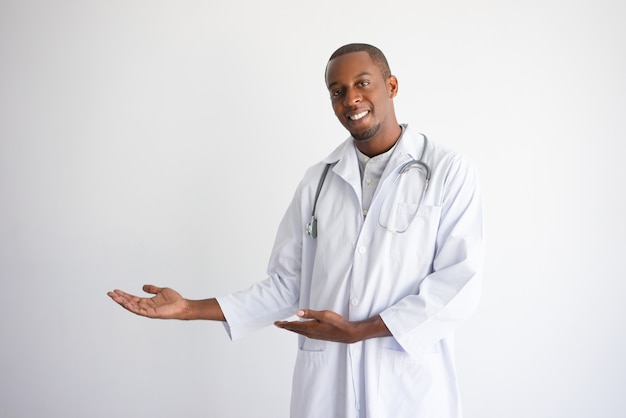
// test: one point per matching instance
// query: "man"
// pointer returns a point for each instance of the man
(379, 257)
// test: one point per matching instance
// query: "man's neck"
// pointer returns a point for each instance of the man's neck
(382, 142)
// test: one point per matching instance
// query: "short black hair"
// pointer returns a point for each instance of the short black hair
(375, 54)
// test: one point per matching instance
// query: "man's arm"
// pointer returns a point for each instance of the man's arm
(168, 304)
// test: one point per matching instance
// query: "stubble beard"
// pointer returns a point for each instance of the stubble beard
(368, 134)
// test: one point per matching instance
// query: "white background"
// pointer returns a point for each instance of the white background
(156, 141)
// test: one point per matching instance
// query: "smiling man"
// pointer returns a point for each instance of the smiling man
(392, 268)
(361, 88)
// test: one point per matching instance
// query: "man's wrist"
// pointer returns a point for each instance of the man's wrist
(373, 327)
(208, 309)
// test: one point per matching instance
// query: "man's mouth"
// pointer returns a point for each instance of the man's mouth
(358, 115)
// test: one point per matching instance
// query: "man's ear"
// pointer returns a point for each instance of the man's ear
(392, 86)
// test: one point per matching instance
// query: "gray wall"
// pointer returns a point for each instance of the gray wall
(160, 142)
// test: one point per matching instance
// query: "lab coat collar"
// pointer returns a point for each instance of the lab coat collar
(346, 165)
(409, 147)
(345, 162)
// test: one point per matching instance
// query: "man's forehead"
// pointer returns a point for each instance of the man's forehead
(352, 64)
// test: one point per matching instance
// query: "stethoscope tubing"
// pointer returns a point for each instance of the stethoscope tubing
(311, 226)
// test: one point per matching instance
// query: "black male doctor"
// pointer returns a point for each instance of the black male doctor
(391, 269)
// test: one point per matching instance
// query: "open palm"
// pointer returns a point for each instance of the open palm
(166, 303)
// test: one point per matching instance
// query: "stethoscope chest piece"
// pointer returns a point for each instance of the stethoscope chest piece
(311, 227)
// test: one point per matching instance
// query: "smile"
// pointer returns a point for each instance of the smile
(358, 115)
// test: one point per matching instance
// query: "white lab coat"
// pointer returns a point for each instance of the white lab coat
(423, 283)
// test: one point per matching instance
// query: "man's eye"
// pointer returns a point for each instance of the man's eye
(337, 92)
(364, 83)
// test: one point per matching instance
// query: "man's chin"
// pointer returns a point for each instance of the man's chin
(366, 134)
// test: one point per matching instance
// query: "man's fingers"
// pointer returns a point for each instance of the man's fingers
(118, 296)
(133, 303)
(148, 288)
(307, 313)
(294, 326)
(121, 296)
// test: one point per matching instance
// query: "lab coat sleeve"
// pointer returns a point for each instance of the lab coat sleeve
(277, 296)
(450, 294)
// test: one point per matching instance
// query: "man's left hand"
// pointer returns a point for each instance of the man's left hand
(330, 326)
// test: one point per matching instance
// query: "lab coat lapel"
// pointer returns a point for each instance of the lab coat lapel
(347, 166)
(409, 147)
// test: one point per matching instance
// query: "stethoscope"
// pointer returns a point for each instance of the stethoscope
(311, 227)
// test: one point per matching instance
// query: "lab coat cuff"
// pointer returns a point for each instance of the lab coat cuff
(232, 326)
(239, 323)
(404, 338)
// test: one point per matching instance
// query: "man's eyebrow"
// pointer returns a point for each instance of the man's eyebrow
(365, 73)
(362, 74)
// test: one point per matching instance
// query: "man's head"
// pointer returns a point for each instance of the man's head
(362, 89)
(375, 54)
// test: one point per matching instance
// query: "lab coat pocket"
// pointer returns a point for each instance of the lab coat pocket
(311, 354)
(405, 385)
(311, 360)
(313, 383)
(397, 216)
(418, 242)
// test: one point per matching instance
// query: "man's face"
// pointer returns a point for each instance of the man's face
(360, 96)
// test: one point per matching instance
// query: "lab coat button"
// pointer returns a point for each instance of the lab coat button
(354, 301)
(362, 250)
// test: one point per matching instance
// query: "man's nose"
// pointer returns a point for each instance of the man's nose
(352, 97)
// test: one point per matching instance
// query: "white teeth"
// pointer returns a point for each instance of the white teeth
(358, 116)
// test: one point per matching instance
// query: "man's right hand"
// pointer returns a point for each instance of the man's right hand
(166, 303)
